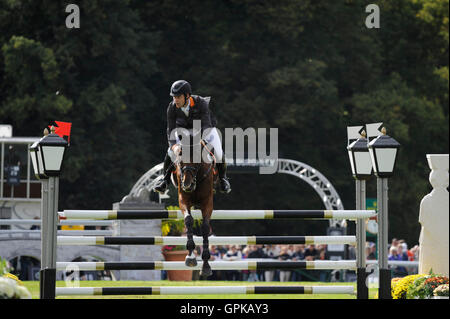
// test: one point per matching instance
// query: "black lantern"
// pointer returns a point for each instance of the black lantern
(359, 156)
(47, 154)
(36, 160)
(383, 153)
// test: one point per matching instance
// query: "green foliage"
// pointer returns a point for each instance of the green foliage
(415, 288)
(172, 227)
(423, 287)
(4, 269)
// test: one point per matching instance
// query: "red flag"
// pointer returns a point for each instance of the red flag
(63, 129)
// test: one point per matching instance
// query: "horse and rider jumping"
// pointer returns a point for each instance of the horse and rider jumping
(195, 180)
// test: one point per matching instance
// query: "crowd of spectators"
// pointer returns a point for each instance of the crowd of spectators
(277, 252)
(398, 250)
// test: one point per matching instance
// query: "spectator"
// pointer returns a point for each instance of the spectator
(215, 255)
(245, 251)
(311, 253)
(323, 255)
(256, 251)
(291, 250)
(245, 273)
(413, 253)
(370, 251)
(299, 252)
(285, 275)
(296, 275)
(402, 255)
(393, 255)
(270, 252)
(231, 255)
(214, 252)
(222, 250)
(394, 243)
(399, 271)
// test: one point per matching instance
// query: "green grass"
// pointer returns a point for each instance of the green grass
(33, 287)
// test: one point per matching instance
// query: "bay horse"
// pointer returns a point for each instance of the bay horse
(195, 183)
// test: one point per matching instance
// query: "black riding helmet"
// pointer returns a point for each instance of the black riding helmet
(180, 87)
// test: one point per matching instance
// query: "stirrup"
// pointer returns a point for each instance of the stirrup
(225, 186)
(161, 187)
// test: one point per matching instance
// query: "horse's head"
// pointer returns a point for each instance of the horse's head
(190, 159)
(188, 176)
(188, 167)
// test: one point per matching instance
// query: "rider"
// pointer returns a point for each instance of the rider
(181, 112)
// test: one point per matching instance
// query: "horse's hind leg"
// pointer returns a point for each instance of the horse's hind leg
(190, 260)
(206, 269)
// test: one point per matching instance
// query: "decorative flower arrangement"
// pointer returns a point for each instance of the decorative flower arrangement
(419, 286)
(172, 227)
(441, 290)
(424, 288)
(430, 284)
(175, 227)
(415, 288)
(10, 286)
(400, 286)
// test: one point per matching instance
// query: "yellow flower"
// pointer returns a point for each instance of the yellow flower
(400, 287)
(8, 275)
(165, 228)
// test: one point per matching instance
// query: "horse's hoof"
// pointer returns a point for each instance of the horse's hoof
(206, 272)
(190, 262)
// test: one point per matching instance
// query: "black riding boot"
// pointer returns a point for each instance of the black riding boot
(225, 186)
(162, 185)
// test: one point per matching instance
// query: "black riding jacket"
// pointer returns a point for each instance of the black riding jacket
(199, 110)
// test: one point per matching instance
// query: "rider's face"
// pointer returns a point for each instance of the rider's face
(179, 100)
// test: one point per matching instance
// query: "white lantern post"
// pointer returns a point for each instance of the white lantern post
(361, 167)
(383, 153)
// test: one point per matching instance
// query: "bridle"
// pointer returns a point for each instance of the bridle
(194, 170)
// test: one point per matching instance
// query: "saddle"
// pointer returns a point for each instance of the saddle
(215, 171)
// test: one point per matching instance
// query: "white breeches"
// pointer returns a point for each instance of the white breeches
(212, 138)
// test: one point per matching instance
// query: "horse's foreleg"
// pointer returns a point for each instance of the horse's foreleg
(190, 261)
(206, 269)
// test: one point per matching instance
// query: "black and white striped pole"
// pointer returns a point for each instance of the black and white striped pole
(383, 154)
(47, 156)
(361, 166)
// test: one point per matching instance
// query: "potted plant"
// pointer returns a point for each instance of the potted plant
(423, 287)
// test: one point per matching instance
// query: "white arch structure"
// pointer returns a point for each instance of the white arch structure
(323, 187)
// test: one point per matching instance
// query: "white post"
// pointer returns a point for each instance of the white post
(362, 288)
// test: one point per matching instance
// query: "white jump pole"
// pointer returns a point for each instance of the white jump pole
(215, 265)
(204, 290)
(213, 240)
